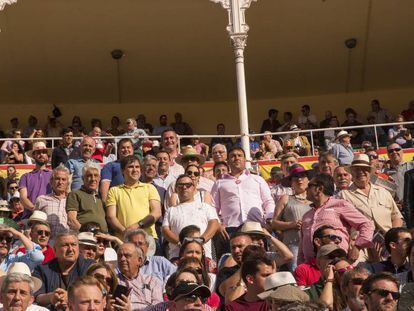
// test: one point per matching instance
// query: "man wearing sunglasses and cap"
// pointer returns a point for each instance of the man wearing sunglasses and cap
(189, 296)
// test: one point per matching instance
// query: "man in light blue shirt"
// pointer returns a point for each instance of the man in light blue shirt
(343, 150)
(33, 256)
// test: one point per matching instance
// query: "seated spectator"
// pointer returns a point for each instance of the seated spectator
(146, 290)
(273, 145)
(283, 188)
(343, 150)
(342, 178)
(397, 132)
(226, 141)
(182, 128)
(381, 115)
(32, 125)
(54, 203)
(327, 210)
(36, 133)
(220, 169)
(329, 136)
(219, 153)
(87, 245)
(40, 235)
(351, 286)
(408, 114)
(376, 163)
(158, 266)
(76, 126)
(271, 124)
(327, 163)
(375, 202)
(397, 241)
(189, 261)
(18, 212)
(6, 146)
(12, 173)
(351, 120)
(158, 130)
(370, 134)
(307, 120)
(102, 148)
(189, 296)
(115, 129)
(300, 142)
(15, 155)
(133, 205)
(276, 176)
(254, 146)
(189, 212)
(85, 205)
(54, 127)
(66, 150)
(86, 292)
(381, 291)
(33, 256)
(142, 124)
(326, 122)
(287, 123)
(60, 272)
(407, 277)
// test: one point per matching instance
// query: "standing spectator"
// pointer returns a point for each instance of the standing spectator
(241, 196)
(14, 122)
(351, 120)
(397, 132)
(32, 124)
(164, 177)
(189, 212)
(307, 120)
(75, 166)
(375, 202)
(381, 292)
(327, 121)
(111, 174)
(300, 142)
(142, 124)
(381, 115)
(287, 122)
(220, 169)
(59, 273)
(66, 150)
(351, 283)
(169, 143)
(133, 205)
(343, 150)
(163, 126)
(408, 114)
(54, 127)
(326, 210)
(182, 128)
(137, 133)
(226, 141)
(54, 204)
(115, 129)
(146, 290)
(85, 205)
(272, 123)
(36, 183)
(76, 126)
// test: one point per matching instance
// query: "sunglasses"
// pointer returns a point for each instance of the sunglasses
(394, 150)
(6, 238)
(43, 232)
(343, 270)
(40, 152)
(184, 185)
(384, 293)
(333, 237)
(196, 174)
(373, 156)
(357, 281)
(14, 188)
(98, 276)
(193, 299)
(198, 240)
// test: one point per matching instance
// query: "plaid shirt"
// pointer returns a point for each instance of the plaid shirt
(55, 209)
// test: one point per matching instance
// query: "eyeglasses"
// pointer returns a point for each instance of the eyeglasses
(333, 237)
(184, 185)
(373, 156)
(193, 299)
(14, 188)
(392, 150)
(43, 232)
(357, 281)
(190, 173)
(40, 152)
(198, 240)
(6, 238)
(343, 270)
(384, 293)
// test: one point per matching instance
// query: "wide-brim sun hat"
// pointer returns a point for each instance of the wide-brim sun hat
(21, 268)
(276, 280)
(361, 161)
(252, 227)
(190, 152)
(341, 134)
(38, 146)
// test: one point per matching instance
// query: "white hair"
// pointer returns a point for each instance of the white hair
(17, 277)
(219, 145)
(90, 165)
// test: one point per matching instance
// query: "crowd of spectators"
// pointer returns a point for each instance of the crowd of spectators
(155, 229)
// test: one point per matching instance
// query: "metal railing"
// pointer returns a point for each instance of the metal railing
(310, 131)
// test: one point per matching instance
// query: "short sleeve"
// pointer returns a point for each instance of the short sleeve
(106, 173)
(211, 212)
(153, 193)
(23, 182)
(72, 203)
(111, 199)
(166, 220)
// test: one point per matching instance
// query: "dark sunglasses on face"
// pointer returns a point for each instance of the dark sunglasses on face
(384, 293)
(184, 185)
(6, 238)
(394, 150)
(193, 298)
(333, 237)
(357, 281)
(196, 174)
(373, 156)
(14, 188)
(43, 232)
(343, 270)
(198, 240)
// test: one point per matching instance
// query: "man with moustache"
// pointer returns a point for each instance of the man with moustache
(342, 178)
(75, 166)
(36, 183)
(60, 272)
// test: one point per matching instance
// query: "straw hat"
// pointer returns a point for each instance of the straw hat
(294, 127)
(332, 250)
(252, 227)
(22, 268)
(342, 134)
(87, 238)
(190, 152)
(276, 280)
(289, 293)
(362, 160)
(38, 216)
(39, 145)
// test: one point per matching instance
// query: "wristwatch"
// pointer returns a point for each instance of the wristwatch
(141, 224)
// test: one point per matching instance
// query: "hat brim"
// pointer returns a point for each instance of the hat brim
(180, 158)
(87, 243)
(202, 290)
(369, 167)
(255, 232)
(343, 135)
(37, 282)
(339, 252)
(267, 293)
(30, 152)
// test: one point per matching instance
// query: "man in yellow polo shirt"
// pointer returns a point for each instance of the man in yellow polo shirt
(133, 205)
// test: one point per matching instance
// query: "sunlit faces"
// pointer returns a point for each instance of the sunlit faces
(185, 189)
(169, 141)
(384, 295)
(60, 181)
(125, 149)
(286, 163)
(360, 175)
(300, 182)
(17, 296)
(40, 234)
(91, 179)
(237, 160)
(87, 298)
(150, 168)
(67, 248)
(327, 165)
(220, 170)
(193, 249)
(163, 160)
(88, 147)
(237, 246)
(132, 171)
(342, 178)
(395, 153)
(219, 153)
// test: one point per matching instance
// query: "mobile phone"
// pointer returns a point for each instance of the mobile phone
(121, 290)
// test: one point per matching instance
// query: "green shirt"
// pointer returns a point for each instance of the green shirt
(89, 207)
(315, 290)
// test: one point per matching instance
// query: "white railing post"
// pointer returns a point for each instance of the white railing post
(312, 144)
(376, 137)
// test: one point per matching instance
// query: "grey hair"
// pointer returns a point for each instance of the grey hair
(348, 275)
(90, 165)
(17, 277)
(62, 168)
(139, 251)
(219, 145)
(130, 233)
(66, 232)
(150, 157)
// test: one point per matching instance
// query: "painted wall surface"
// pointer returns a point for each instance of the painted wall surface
(203, 117)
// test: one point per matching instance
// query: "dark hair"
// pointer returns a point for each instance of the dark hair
(169, 129)
(103, 265)
(304, 306)
(12, 181)
(67, 130)
(318, 234)
(307, 107)
(123, 141)
(250, 266)
(187, 231)
(180, 177)
(349, 111)
(163, 116)
(348, 275)
(87, 226)
(204, 273)
(288, 113)
(369, 282)
(192, 165)
(272, 111)
(220, 124)
(220, 163)
(237, 148)
(392, 236)
(128, 160)
(326, 181)
(325, 155)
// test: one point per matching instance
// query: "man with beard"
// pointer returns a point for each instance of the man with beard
(75, 166)
(351, 286)
(381, 292)
(342, 178)
(60, 272)
(36, 182)
(111, 174)
(66, 150)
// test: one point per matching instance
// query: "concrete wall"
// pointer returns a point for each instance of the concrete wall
(203, 117)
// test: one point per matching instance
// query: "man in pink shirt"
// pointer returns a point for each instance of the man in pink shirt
(241, 196)
(339, 214)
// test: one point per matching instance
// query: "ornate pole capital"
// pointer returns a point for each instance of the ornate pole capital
(4, 2)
